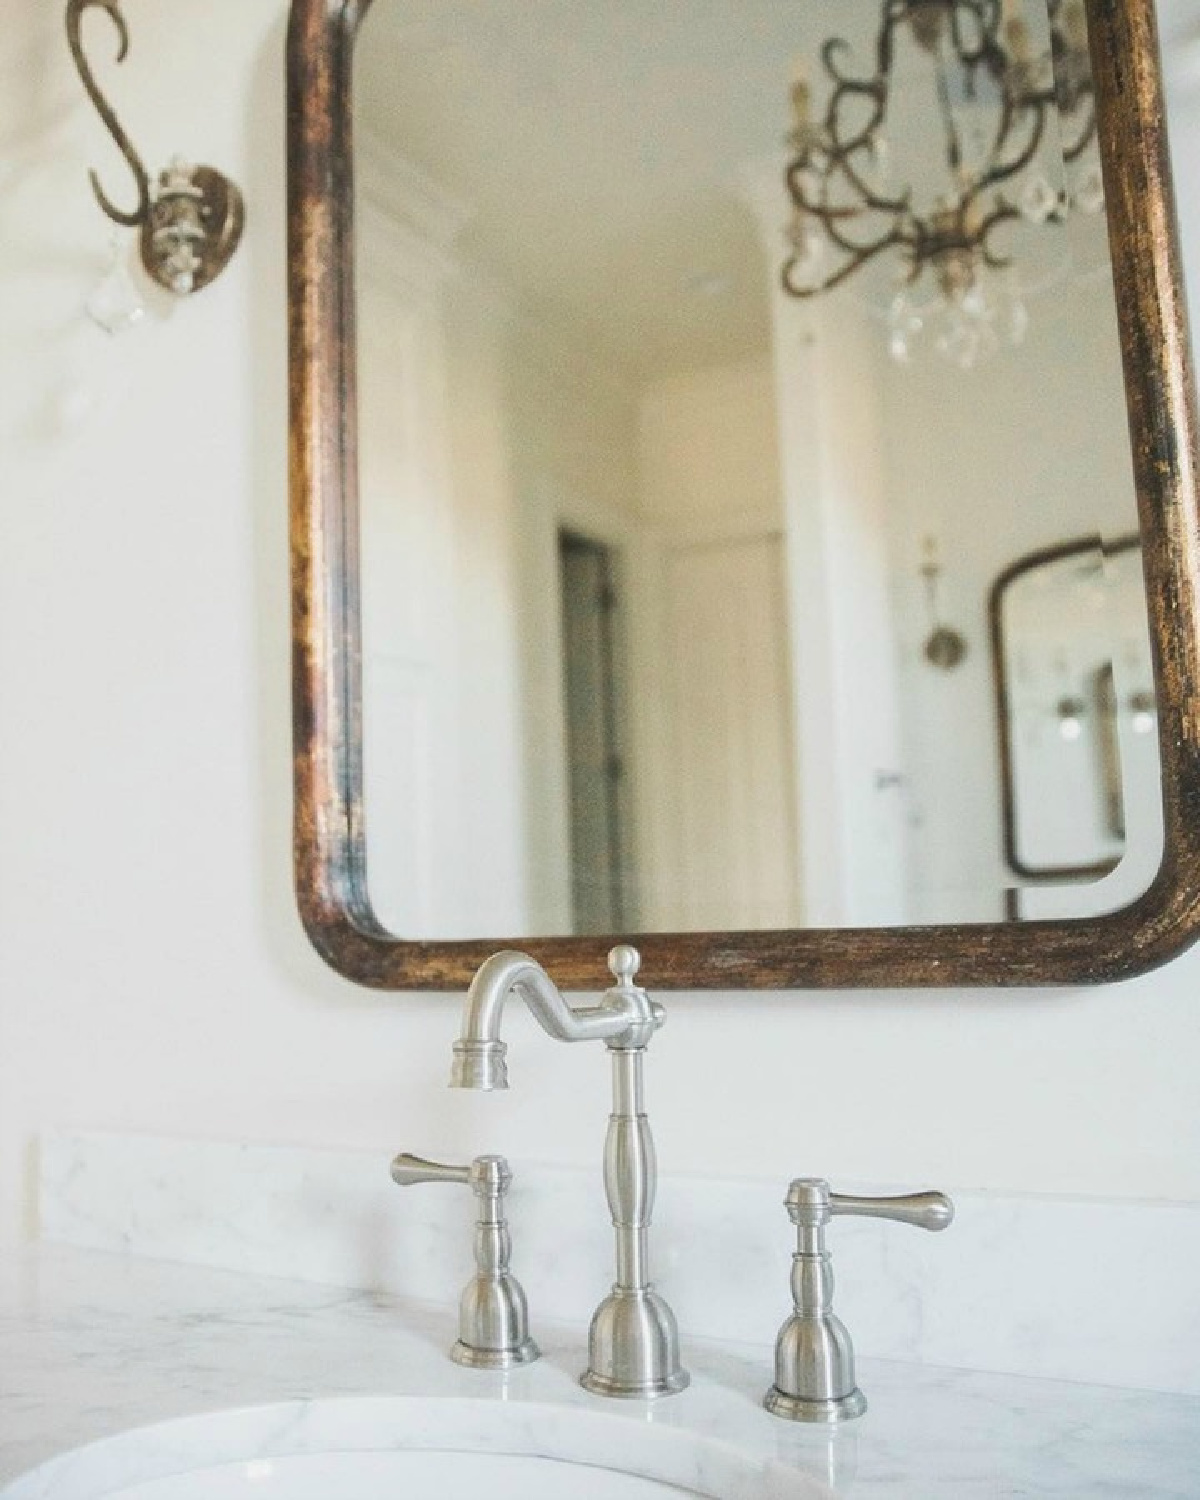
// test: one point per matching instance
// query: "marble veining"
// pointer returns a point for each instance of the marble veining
(1018, 1285)
(95, 1344)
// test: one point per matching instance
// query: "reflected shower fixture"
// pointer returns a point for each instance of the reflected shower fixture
(999, 98)
(191, 220)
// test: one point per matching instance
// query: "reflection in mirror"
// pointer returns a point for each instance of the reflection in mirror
(1079, 730)
(654, 543)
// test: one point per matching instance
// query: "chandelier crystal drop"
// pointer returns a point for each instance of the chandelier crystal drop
(1005, 107)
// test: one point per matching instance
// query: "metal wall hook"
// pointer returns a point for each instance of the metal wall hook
(191, 222)
(112, 8)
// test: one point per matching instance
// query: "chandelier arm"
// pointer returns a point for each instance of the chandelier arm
(1000, 172)
(870, 199)
(902, 229)
(987, 15)
(839, 158)
(843, 85)
(864, 254)
(1049, 98)
(1087, 135)
(1003, 213)
(852, 248)
(831, 216)
(841, 153)
(897, 235)
(990, 55)
(823, 210)
(1074, 149)
(863, 137)
(831, 49)
(894, 12)
(1071, 70)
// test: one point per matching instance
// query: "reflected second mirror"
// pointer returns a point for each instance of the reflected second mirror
(675, 557)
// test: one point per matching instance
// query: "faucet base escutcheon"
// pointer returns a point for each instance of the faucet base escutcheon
(633, 1347)
(802, 1409)
(494, 1359)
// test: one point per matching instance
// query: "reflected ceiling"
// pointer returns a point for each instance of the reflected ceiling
(503, 104)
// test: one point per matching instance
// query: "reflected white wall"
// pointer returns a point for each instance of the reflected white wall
(1045, 460)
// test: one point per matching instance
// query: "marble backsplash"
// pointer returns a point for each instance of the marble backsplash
(1073, 1289)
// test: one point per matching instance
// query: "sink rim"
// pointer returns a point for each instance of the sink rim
(617, 1442)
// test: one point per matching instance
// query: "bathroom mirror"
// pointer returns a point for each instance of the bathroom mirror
(638, 595)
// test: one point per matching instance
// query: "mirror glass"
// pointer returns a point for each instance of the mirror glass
(675, 557)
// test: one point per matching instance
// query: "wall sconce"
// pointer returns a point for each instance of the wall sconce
(192, 220)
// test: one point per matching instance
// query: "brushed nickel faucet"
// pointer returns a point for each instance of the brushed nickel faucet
(814, 1358)
(493, 1318)
(633, 1343)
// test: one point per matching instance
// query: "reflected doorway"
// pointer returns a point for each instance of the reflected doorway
(598, 821)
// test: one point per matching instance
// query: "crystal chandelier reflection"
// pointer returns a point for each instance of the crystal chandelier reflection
(1003, 103)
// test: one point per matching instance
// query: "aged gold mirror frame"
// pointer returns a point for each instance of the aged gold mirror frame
(329, 840)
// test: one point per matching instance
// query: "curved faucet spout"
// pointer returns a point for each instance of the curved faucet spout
(626, 1014)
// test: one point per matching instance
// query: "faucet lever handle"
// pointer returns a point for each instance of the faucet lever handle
(409, 1170)
(811, 1204)
(932, 1211)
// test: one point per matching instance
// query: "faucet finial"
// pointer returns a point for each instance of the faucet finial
(623, 963)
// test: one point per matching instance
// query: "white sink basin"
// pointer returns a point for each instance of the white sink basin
(402, 1448)
(366, 1476)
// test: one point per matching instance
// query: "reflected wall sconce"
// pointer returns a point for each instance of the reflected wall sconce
(944, 646)
(1070, 711)
(1143, 713)
(191, 220)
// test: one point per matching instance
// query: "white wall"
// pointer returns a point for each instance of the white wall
(708, 445)
(152, 972)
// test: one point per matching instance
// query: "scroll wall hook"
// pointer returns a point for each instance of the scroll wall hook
(191, 221)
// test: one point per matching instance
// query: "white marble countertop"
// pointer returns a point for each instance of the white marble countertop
(92, 1344)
